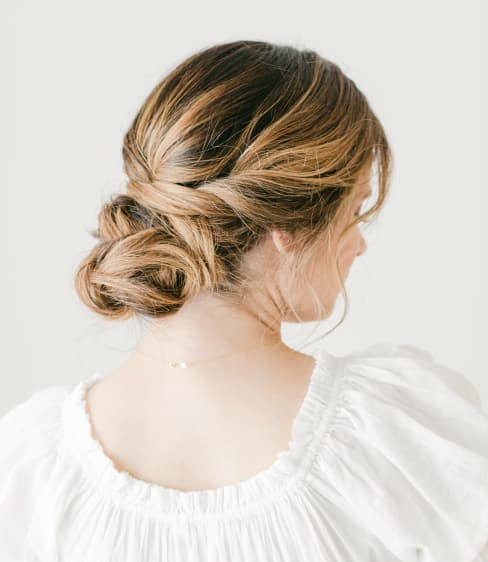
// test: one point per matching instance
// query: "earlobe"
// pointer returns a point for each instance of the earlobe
(281, 240)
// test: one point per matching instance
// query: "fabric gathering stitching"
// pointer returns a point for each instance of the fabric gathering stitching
(325, 381)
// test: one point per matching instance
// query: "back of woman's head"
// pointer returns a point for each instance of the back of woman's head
(239, 139)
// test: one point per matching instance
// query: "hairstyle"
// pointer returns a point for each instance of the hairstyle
(240, 138)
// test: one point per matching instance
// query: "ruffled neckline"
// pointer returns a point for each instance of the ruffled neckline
(288, 469)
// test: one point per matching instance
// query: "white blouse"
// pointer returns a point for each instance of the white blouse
(388, 461)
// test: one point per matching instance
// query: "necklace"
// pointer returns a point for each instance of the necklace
(185, 364)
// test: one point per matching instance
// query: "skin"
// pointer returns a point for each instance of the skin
(178, 427)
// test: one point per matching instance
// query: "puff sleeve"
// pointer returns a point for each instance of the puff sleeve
(407, 451)
(28, 436)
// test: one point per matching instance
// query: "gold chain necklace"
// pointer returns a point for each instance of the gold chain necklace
(185, 364)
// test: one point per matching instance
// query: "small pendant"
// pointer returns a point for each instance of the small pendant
(175, 364)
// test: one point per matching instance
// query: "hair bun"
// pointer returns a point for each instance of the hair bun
(140, 265)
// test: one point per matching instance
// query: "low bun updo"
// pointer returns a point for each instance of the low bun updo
(238, 139)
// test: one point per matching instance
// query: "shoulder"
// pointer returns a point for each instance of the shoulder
(407, 450)
(42, 400)
(411, 367)
(30, 428)
(34, 415)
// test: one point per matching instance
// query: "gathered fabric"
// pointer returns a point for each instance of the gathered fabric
(387, 461)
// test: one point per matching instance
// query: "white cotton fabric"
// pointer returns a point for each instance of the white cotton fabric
(388, 461)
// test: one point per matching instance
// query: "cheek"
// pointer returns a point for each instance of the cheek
(348, 252)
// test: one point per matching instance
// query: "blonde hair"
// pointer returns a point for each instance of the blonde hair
(240, 138)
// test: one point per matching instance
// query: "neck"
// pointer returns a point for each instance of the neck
(207, 326)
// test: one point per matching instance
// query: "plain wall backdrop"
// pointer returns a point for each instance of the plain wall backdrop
(74, 75)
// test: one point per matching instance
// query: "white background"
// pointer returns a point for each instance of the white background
(74, 74)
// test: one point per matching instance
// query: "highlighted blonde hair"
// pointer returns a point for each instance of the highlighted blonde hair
(240, 138)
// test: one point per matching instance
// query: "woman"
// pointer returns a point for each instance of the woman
(248, 168)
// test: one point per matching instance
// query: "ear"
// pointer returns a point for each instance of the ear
(282, 241)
